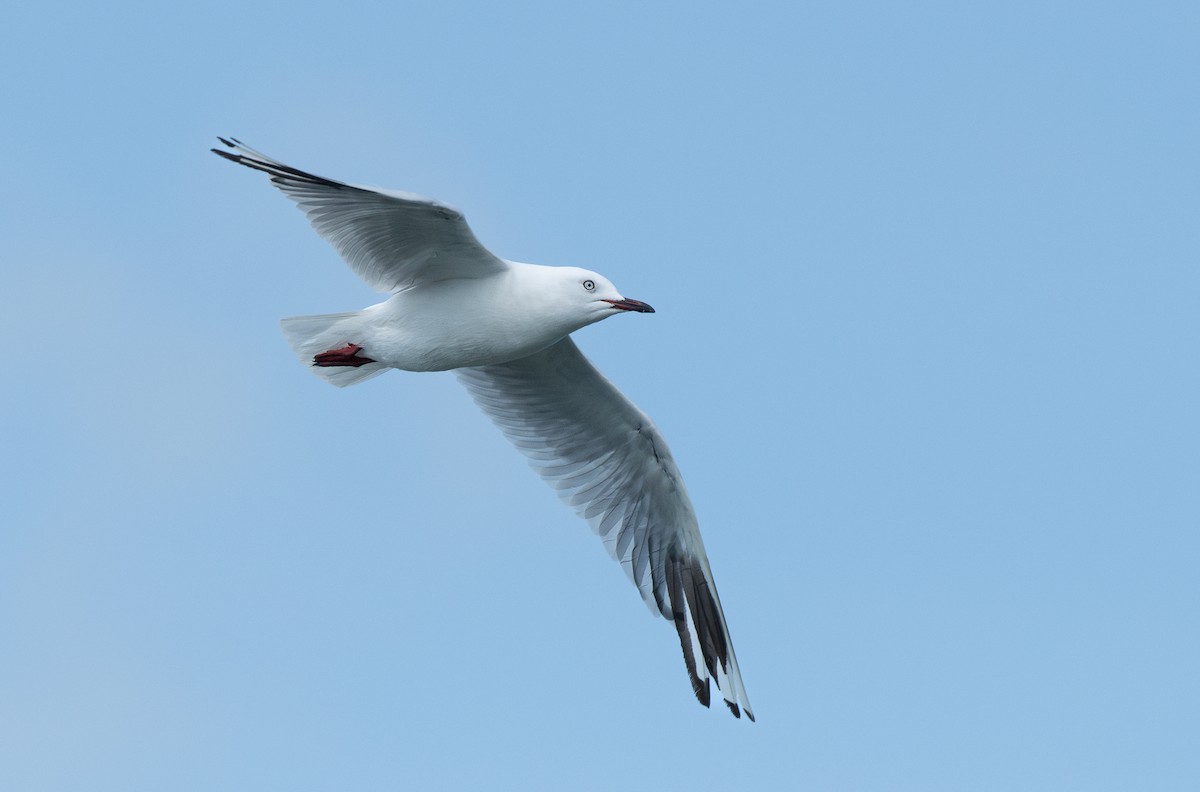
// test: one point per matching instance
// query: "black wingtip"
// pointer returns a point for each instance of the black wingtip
(737, 713)
(749, 714)
(278, 172)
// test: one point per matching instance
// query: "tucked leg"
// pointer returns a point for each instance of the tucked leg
(343, 356)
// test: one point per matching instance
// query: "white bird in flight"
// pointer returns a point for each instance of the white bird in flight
(504, 328)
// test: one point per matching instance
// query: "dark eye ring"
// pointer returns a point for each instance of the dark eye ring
(590, 285)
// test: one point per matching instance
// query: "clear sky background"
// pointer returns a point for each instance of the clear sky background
(926, 351)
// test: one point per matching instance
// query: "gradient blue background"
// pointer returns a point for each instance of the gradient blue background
(926, 350)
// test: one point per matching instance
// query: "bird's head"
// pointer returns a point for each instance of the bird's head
(592, 296)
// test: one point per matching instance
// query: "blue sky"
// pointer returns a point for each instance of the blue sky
(925, 350)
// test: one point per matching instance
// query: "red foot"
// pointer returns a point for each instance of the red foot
(345, 356)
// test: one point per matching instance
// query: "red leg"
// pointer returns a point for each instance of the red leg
(344, 356)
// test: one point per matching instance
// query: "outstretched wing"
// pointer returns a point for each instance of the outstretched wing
(392, 240)
(609, 462)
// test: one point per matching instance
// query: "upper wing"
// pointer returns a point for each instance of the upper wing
(609, 462)
(392, 240)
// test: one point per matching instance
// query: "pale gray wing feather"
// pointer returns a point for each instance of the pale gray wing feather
(607, 460)
(392, 240)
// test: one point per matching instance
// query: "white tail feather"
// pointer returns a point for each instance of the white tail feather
(311, 335)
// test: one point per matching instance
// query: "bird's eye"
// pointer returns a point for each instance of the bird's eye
(590, 285)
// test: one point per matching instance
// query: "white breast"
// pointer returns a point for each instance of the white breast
(459, 323)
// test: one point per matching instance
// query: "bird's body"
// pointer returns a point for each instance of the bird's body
(458, 322)
(504, 328)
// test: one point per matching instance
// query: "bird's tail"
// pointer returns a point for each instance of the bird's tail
(331, 345)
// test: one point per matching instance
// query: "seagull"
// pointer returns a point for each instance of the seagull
(505, 329)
